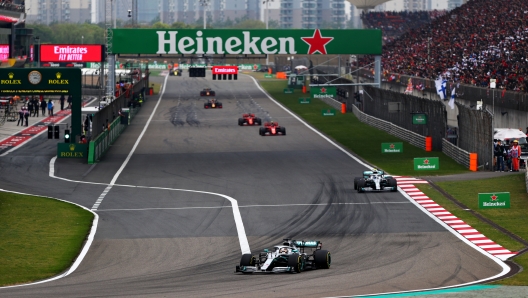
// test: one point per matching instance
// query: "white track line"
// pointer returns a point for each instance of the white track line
(244, 244)
(250, 206)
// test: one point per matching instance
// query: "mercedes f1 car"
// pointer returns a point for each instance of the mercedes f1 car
(249, 119)
(272, 128)
(207, 92)
(290, 256)
(375, 180)
(212, 104)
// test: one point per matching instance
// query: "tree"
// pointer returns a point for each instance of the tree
(180, 25)
(160, 25)
(250, 24)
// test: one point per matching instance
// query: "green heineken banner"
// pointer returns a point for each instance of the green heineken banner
(269, 76)
(323, 92)
(288, 90)
(246, 42)
(304, 100)
(328, 112)
(426, 164)
(494, 200)
(419, 119)
(391, 147)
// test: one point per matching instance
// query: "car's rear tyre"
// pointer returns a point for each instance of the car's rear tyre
(355, 182)
(258, 121)
(296, 262)
(206, 106)
(360, 184)
(247, 260)
(322, 259)
(394, 184)
(240, 121)
(283, 131)
(262, 131)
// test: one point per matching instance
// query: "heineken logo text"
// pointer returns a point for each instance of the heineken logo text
(216, 45)
(323, 96)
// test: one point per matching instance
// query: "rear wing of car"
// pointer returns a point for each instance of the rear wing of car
(308, 244)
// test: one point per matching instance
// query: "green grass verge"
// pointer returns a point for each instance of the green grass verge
(366, 141)
(40, 237)
(513, 219)
(360, 138)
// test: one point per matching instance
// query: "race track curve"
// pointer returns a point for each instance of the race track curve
(154, 240)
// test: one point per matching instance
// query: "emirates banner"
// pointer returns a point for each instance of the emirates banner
(246, 42)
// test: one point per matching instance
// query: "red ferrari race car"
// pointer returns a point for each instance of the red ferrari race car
(207, 92)
(212, 104)
(249, 119)
(272, 128)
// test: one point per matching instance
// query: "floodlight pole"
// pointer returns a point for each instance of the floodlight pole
(267, 22)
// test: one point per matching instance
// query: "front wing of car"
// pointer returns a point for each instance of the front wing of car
(255, 269)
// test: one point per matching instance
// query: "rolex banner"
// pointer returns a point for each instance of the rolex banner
(246, 42)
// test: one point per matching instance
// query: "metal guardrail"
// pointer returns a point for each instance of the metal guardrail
(459, 155)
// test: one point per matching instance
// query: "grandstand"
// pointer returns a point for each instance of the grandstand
(16, 42)
(395, 24)
(476, 42)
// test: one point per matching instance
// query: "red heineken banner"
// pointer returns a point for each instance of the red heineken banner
(246, 42)
(225, 69)
(71, 53)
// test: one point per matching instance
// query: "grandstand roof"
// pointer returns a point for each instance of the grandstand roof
(367, 4)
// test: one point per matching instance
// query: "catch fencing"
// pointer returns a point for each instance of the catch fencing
(475, 134)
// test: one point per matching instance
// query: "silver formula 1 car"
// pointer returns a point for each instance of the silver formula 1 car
(375, 180)
(290, 256)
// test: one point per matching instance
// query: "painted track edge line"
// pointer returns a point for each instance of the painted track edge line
(82, 254)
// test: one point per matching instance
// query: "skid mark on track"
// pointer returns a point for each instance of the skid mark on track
(183, 114)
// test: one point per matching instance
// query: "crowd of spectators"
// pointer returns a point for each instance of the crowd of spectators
(471, 44)
(395, 23)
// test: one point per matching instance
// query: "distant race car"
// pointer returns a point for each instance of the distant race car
(175, 72)
(207, 92)
(249, 119)
(212, 104)
(375, 180)
(272, 128)
(290, 256)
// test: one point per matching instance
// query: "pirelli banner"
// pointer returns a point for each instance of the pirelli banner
(246, 42)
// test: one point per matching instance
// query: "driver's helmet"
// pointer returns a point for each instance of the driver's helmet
(213, 100)
(283, 250)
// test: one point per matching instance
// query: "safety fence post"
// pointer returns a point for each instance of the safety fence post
(428, 144)
(473, 162)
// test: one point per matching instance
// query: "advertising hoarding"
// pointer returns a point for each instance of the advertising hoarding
(71, 53)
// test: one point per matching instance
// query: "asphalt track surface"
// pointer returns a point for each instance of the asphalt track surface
(153, 240)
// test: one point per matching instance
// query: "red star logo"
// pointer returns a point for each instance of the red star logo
(323, 90)
(493, 197)
(426, 161)
(317, 42)
(392, 146)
